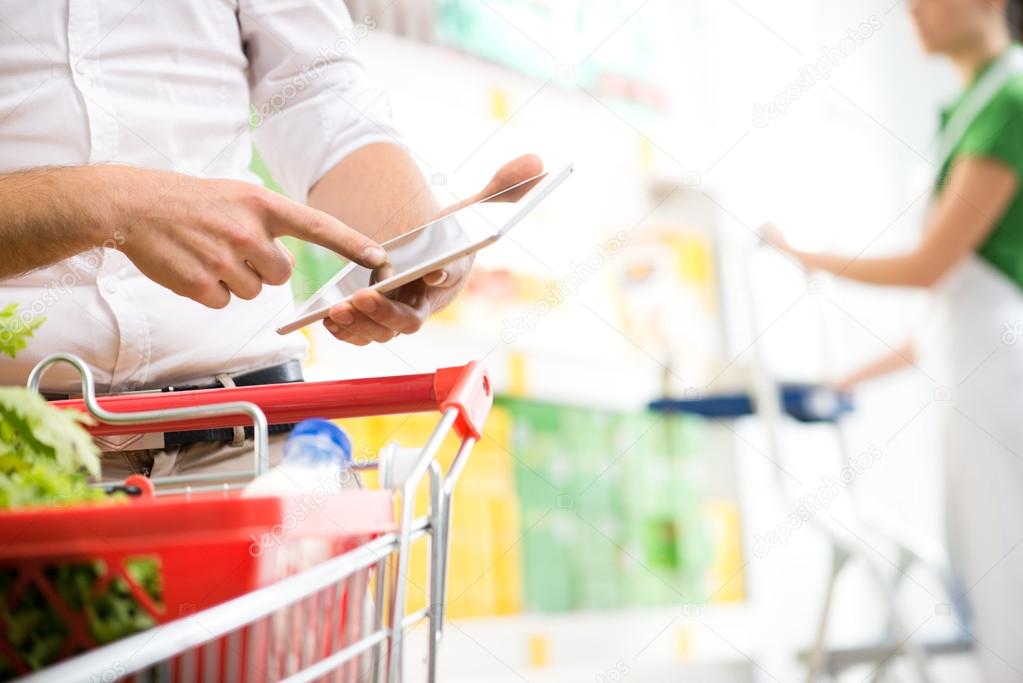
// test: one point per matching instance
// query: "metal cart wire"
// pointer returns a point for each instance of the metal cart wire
(297, 629)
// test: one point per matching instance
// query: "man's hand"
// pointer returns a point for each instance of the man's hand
(209, 239)
(203, 239)
(371, 316)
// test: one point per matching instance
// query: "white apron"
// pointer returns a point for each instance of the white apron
(972, 346)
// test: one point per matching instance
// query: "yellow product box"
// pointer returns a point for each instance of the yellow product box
(484, 570)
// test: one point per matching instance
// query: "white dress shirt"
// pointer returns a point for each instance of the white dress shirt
(183, 85)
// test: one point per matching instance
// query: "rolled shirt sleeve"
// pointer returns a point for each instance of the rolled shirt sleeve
(313, 102)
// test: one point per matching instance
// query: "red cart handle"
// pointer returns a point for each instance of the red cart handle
(466, 389)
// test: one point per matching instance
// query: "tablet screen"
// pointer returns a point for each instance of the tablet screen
(411, 254)
(468, 226)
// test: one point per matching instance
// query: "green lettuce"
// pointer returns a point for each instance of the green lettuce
(14, 332)
(47, 458)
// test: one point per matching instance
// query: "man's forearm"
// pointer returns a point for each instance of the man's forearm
(45, 216)
(378, 190)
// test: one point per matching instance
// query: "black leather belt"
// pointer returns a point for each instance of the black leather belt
(215, 435)
(285, 373)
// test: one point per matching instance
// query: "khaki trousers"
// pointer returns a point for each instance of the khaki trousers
(197, 458)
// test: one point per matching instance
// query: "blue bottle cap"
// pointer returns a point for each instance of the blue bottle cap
(324, 429)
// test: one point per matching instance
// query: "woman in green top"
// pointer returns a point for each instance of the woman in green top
(971, 345)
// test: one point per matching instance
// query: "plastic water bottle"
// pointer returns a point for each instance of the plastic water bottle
(317, 455)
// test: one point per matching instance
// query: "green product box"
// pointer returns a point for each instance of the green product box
(600, 544)
(598, 505)
(650, 557)
(668, 550)
(548, 556)
(599, 464)
(543, 478)
(611, 507)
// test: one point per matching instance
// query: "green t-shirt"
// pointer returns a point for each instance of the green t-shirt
(997, 133)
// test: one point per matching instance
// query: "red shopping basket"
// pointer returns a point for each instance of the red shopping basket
(207, 548)
(212, 547)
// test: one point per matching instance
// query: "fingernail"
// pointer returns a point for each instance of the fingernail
(441, 279)
(368, 305)
(374, 256)
(286, 251)
(343, 317)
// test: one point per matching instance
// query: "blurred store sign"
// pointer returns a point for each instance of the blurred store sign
(415, 19)
(607, 47)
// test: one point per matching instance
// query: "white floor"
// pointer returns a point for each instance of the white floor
(651, 646)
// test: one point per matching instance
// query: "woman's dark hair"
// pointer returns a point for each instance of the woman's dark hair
(1015, 15)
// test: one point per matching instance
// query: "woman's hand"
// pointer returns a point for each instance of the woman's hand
(374, 317)
(955, 229)
(900, 357)
(846, 384)
(772, 236)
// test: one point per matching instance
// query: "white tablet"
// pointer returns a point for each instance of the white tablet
(429, 247)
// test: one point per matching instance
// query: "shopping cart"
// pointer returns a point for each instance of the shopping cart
(855, 540)
(855, 535)
(308, 626)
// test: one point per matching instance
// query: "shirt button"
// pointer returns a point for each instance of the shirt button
(110, 285)
(80, 68)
